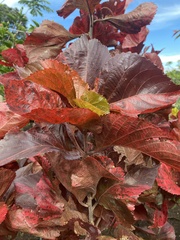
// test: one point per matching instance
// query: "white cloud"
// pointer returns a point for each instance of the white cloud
(169, 58)
(10, 3)
(167, 14)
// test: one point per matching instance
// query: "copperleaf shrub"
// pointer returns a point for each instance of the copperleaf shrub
(88, 147)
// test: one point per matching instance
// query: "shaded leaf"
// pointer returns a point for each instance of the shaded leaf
(70, 5)
(93, 101)
(7, 177)
(46, 41)
(80, 177)
(133, 21)
(129, 74)
(4, 78)
(140, 135)
(25, 96)
(3, 211)
(168, 179)
(22, 145)
(144, 103)
(87, 57)
(9, 120)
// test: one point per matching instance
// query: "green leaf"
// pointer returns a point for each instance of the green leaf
(93, 101)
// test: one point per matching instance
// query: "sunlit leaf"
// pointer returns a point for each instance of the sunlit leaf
(93, 101)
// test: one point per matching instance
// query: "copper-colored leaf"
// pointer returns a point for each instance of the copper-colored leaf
(133, 21)
(59, 79)
(144, 103)
(7, 176)
(25, 96)
(71, 5)
(129, 74)
(9, 120)
(46, 41)
(75, 116)
(141, 135)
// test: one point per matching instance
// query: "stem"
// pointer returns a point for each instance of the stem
(90, 21)
(90, 208)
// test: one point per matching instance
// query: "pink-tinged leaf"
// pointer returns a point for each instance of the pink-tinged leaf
(25, 96)
(58, 79)
(22, 145)
(133, 40)
(144, 103)
(159, 218)
(75, 116)
(71, 5)
(87, 58)
(133, 22)
(79, 176)
(129, 74)
(26, 220)
(7, 177)
(3, 211)
(168, 179)
(4, 78)
(118, 129)
(27, 70)
(15, 56)
(46, 41)
(35, 141)
(9, 120)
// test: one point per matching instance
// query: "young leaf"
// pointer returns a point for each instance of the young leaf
(136, 133)
(87, 58)
(129, 74)
(93, 101)
(133, 22)
(71, 5)
(46, 41)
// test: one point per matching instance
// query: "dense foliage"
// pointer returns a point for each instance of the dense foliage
(89, 146)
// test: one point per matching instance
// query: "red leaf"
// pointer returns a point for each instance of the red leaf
(79, 176)
(129, 74)
(71, 5)
(15, 56)
(25, 96)
(9, 120)
(144, 103)
(75, 116)
(46, 41)
(168, 179)
(86, 57)
(3, 211)
(7, 177)
(155, 59)
(58, 78)
(133, 40)
(133, 21)
(4, 78)
(138, 134)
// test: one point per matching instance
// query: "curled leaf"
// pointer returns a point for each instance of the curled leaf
(133, 22)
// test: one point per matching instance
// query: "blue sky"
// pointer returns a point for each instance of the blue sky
(167, 20)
